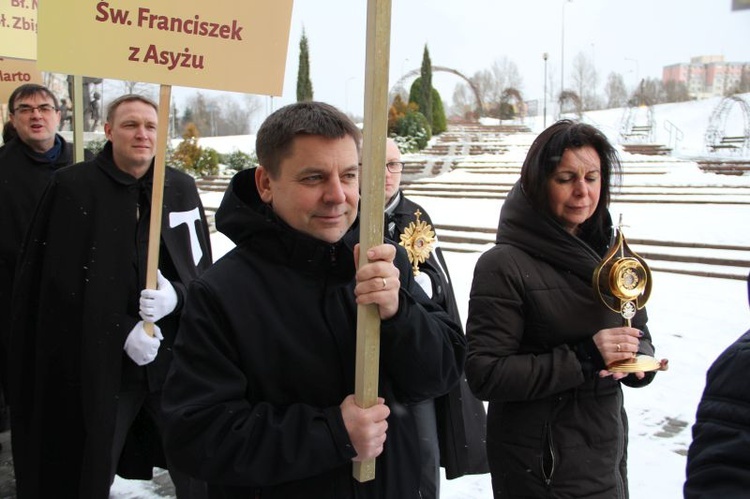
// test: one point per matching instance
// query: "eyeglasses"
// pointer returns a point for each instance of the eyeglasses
(25, 110)
(395, 166)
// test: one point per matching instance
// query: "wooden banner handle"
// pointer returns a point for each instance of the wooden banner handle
(157, 194)
(372, 205)
(78, 118)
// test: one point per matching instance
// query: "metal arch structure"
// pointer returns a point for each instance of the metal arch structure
(717, 124)
(512, 93)
(416, 72)
(570, 96)
(633, 129)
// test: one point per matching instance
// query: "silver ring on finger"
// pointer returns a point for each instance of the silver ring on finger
(385, 283)
(618, 347)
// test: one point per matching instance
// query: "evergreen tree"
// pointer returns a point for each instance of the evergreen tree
(438, 124)
(425, 97)
(187, 117)
(304, 84)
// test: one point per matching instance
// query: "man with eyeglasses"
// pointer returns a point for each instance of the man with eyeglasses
(452, 427)
(32, 152)
(86, 375)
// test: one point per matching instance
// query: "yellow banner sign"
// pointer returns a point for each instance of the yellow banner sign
(18, 28)
(222, 44)
(14, 73)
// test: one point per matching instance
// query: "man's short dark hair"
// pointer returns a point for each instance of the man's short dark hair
(29, 90)
(112, 107)
(276, 135)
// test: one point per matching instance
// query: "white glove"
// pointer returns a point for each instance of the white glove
(141, 347)
(160, 302)
(425, 283)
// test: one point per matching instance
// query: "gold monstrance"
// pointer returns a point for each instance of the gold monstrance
(419, 240)
(628, 279)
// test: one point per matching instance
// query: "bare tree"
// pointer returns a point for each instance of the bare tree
(585, 78)
(197, 111)
(676, 91)
(615, 90)
(220, 115)
(506, 75)
(493, 82)
(253, 104)
(650, 91)
(485, 85)
(463, 101)
(234, 117)
(137, 87)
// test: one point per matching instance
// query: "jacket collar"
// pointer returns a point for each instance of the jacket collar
(105, 161)
(249, 222)
(59, 155)
(542, 237)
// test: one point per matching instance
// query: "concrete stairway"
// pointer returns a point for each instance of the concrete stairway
(490, 160)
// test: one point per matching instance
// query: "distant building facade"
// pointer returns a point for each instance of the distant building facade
(709, 76)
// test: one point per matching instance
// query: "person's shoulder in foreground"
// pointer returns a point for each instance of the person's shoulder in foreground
(718, 462)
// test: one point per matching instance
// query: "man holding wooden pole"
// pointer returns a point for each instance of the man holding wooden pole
(86, 378)
(260, 394)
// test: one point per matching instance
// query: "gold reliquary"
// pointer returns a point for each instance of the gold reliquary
(419, 240)
(622, 282)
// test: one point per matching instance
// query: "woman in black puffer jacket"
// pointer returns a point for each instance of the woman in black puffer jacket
(538, 339)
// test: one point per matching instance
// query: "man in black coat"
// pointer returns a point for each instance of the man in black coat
(85, 376)
(32, 152)
(260, 394)
(718, 462)
(452, 428)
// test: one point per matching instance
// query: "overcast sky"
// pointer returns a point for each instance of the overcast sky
(635, 38)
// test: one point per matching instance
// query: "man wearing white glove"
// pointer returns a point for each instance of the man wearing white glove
(141, 346)
(87, 400)
(160, 302)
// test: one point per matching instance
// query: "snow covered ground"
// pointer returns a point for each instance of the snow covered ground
(692, 319)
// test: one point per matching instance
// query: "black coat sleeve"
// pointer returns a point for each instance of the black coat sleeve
(718, 463)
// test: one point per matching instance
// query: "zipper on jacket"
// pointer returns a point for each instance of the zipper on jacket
(621, 450)
(550, 453)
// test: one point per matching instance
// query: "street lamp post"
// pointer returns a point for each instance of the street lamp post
(562, 48)
(544, 120)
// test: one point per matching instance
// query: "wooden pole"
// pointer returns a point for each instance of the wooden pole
(157, 193)
(372, 204)
(78, 118)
